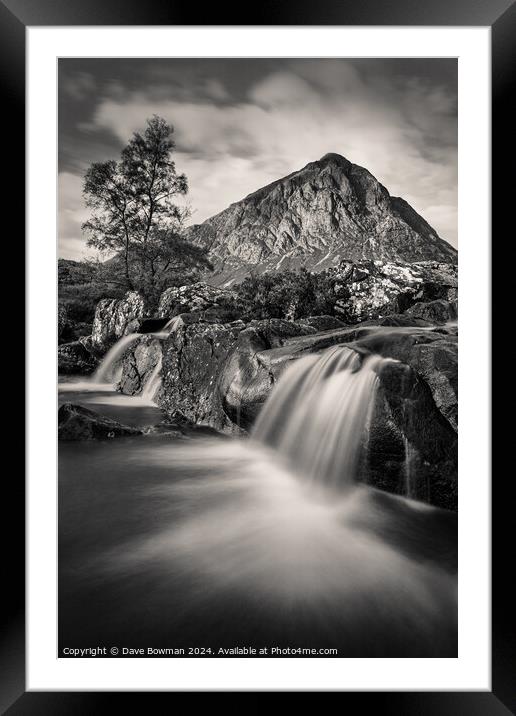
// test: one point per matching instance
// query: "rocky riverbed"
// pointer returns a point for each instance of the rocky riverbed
(217, 369)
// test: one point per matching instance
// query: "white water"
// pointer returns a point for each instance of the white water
(110, 370)
(238, 548)
(241, 540)
(153, 383)
(318, 414)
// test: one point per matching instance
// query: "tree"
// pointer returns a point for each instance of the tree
(134, 218)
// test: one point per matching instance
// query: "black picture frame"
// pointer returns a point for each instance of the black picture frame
(15, 17)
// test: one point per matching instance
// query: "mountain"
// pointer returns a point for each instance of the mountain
(327, 212)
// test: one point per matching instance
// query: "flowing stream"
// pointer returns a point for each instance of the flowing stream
(171, 540)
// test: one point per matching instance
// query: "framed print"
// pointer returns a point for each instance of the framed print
(270, 468)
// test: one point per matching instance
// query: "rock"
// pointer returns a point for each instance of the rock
(195, 297)
(75, 359)
(432, 355)
(62, 322)
(328, 211)
(193, 357)
(113, 318)
(220, 375)
(410, 437)
(375, 289)
(412, 448)
(439, 311)
(256, 365)
(274, 332)
(321, 323)
(399, 320)
(196, 361)
(138, 363)
(78, 423)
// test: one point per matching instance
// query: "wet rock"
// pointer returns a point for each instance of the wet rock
(322, 323)
(251, 371)
(75, 359)
(439, 311)
(433, 355)
(113, 318)
(78, 423)
(412, 448)
(138, 363)
(193, 357)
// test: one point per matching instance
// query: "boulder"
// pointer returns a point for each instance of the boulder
(138, 363)
(75, 359)
(375, 289)
(438, 311)
(412, 448)
(262, 351)
(432, 354)
(193, 357)
(196, 297)
(78, 423)
(113, 319)
(322, 323)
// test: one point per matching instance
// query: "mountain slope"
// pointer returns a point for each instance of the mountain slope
(331, 210)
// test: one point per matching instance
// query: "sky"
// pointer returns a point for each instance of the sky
(242, 123)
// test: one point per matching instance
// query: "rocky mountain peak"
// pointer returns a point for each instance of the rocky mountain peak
(329, 211)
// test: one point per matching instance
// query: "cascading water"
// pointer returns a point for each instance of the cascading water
(110, 370)
(318, 414)
(228, 537)
(153, 383)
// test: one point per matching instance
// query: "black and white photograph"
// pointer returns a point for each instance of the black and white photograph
(257, 357)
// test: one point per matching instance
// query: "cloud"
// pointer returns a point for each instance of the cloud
(403, 130)
(72, 214)
(78, 86)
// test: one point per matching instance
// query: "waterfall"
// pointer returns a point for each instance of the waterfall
(110, 370)
(152, 384)
(318, 414)
(409, 492)
(168, 328)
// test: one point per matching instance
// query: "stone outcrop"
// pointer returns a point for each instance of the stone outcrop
(114, 316)
(431, 353)
(438, 311)
(321, 323)
(75, 359)
(373, 289)
(196, 297)
(78, 423)
(139, 361)
(326, 212)
(412, 448)
(193, 357)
